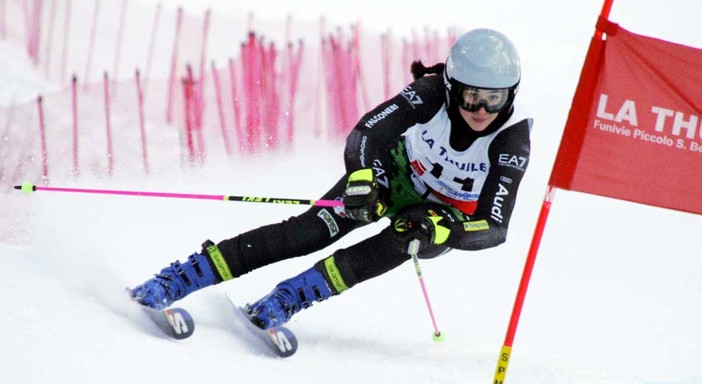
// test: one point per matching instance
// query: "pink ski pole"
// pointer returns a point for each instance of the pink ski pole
(437, 335)
(28, 188)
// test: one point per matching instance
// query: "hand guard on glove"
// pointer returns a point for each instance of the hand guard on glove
(417, 228)
(362, 197)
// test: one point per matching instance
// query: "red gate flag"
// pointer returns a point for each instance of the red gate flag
(634, 131)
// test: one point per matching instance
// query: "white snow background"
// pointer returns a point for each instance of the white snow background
(614, 298)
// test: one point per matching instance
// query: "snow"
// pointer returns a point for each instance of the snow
(614, 296)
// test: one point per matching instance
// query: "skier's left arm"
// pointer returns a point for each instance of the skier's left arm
(509, 158)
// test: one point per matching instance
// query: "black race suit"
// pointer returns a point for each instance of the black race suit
(380, 141)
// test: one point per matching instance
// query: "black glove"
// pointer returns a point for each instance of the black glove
(362, 197)
(418, 227)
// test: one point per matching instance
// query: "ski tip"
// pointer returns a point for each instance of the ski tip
(26, 187)
(180, 323)
(280, 341)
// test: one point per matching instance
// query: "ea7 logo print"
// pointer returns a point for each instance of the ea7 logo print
(411, 96)
(380, 176)
(507, 160)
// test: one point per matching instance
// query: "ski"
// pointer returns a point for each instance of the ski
(279, 340)
(175, 323)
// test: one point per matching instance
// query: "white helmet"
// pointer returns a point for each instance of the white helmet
(483, 58)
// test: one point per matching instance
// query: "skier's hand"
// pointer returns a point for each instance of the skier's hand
(362, 198)
(418, 228)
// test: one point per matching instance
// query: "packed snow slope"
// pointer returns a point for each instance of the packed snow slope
(615, 294)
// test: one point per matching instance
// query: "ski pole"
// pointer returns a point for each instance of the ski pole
(413, 248)
(28, 188)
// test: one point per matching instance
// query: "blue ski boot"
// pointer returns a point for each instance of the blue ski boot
(181, 279)
(288, 298)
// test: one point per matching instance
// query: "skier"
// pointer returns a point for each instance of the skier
(442, 160)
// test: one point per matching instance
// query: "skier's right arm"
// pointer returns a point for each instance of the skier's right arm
(375, 134)
(377, 130)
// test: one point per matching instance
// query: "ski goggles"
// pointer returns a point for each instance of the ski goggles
(472, 98)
